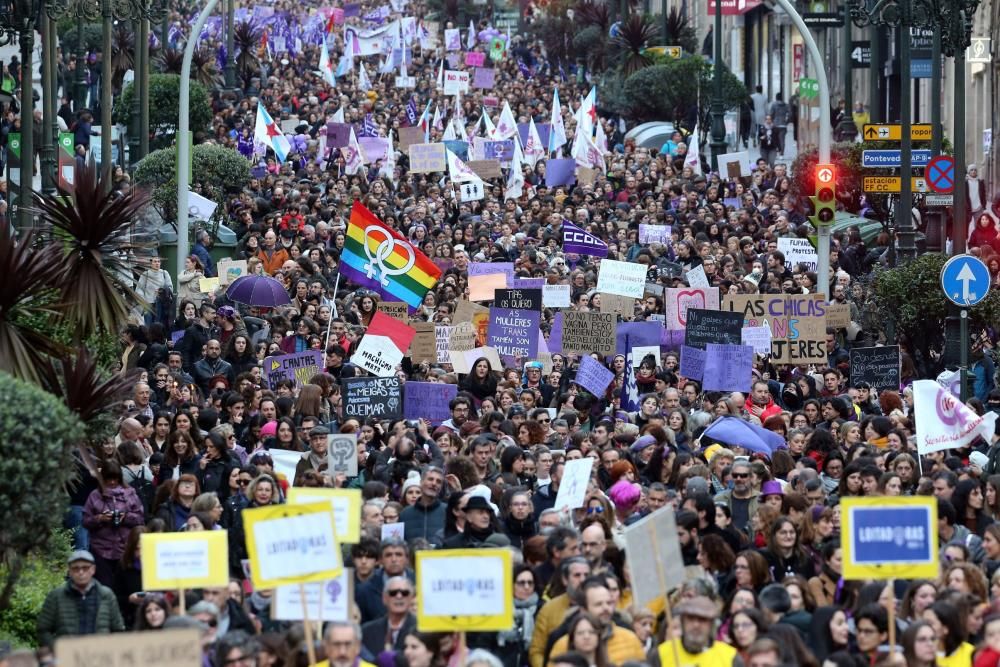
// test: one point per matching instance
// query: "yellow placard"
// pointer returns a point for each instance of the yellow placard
(291, 544)
(346, 505)
(465, 589)
(892, 184)
(886, 537)
(208, 285)
(171, 561)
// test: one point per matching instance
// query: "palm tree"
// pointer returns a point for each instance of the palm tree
(169, 61)
(246, 39)
(679, 31)
(635, 34)
(94, 275)
(82, 387)
(122, 53)
(205, 68)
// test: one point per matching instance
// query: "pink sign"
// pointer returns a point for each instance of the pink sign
(475, 59)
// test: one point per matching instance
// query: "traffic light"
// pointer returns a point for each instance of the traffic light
(825, 200)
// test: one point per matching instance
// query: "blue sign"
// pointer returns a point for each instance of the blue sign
(893, 158)
(920, 69)
(890, 535)
(965, 280)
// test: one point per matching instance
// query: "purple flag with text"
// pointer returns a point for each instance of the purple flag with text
(578, 241)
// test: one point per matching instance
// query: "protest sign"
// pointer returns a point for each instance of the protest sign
(382, 347)
(442, 338)
(285, 461)
(427, 158)
(428, 400)
(556, 296)
(554, 341)
(629, 335)
(798, 252)
(393, 531)
(464, 590)
(712, 326)
(463, 361)
(573, 487)
(328, 600)
(654, 233)
(593, 376)
(484, 287)
(455, 82)
(956, 424)
(616, 304)
(410, 136)
(291, 544)
(338, 135)
(208, 285)
(654, 556)
(229, 270)
(484, 78)
(586, 176)
(797, 321)
(299, 367)
(342, 454)
(500, 150)
(402, 81)
(878, 366)
(678, 300)
(838, 315)
(640, 352)
(889, 537)
(379, 398)
(475, 59)
(452, 39)
(518, 299)
(727, 367)
(423, 347)
(513, 331)
(174, 561)
(623, 278)
(485, 169)
(373, 149)
(163, 648)
(696, 277)
(735, 165)
(692, 364)
(395, 309)
(345, 504)
(490, 101)
(463, 336)
(588, 332)
(759, 338)
(560, 171)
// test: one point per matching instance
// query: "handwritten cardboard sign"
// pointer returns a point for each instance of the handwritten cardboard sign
(427, 158)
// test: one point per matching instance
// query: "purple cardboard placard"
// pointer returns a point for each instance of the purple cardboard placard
(484, 78)
(428, 400)
(513, 332)
(639, 334)
(692, 364)
(560, 171)
(593, 376)
(475, 59)
(728, 367)
(555, 334)
(338, 135)
(500, 150)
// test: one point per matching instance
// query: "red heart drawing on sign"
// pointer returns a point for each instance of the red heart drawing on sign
(689, 299)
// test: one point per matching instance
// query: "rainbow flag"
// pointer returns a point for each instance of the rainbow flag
(378, 257)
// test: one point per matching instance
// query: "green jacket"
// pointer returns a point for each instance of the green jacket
(60, 615)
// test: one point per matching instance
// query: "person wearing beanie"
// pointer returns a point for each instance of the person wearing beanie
(411, 483)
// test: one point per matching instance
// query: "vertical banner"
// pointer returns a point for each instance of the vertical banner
(13, 172)
(67, 161)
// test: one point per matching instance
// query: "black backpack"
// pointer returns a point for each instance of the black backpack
(144, 488)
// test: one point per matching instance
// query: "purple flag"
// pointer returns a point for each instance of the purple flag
(577, 241)
(411, 111)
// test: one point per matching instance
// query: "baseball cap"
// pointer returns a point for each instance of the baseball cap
(80, 554)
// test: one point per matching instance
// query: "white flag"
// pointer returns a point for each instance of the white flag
(514, 187)
(488, 124)
(693, 157)
(506, 125)
(945, 422)
(436, 120)
(353, 159)
(533, 149)
(588, 113)
(557, 130)
(339, 116)
(470, 40)
(364, 83)
(458, 171)
(326, 65)
(440, 79)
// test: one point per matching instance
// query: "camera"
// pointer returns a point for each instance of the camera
(116, 518)
(412, 423)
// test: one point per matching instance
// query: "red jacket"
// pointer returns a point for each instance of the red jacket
(769, 410)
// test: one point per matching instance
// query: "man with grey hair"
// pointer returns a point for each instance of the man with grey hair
(741, 500)
(387, 632)
(342, 645)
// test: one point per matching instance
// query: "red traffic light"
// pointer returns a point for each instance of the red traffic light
(826, 174)
(826, 195)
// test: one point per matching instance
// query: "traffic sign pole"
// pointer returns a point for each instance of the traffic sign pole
(963, 364)
(965, 281)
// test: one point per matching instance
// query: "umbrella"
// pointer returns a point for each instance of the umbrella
(735, 431)
(260, 291)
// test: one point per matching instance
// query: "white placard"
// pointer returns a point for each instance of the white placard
(759, 338)
(654, 233)
(798, 251)
(341, 506)
(443, 585)
(462, 361)
(200, 208)
(556, 296)
(639, 353)
(378, 355)
(391, 531)
(406, 82)
(328, 600)
(342, 454)
(573, 487)
(622, 278)
(296, 546)
(654, 556)
(187, 559)
(455, 82)
(285, 462)
(696, 277)
(442, 338)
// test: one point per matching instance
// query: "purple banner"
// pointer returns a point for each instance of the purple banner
(593, 376)
(428, 400)
(561, 171)
(500, 150)
(542, 129)
(577, 241)
(638, 334)
(513, 332)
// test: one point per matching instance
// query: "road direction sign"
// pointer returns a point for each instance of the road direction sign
(940, 174)
(824, 19)
(872, 132)
(979, 51)
(893, 158)
(965, 280)
(892, 184)
(861, 55)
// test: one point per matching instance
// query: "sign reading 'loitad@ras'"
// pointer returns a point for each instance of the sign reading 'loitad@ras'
(298, 368)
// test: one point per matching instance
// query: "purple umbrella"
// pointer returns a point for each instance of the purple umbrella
(735, 431)
(260, 291)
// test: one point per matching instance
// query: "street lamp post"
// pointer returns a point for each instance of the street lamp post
(718, 142)
(846, 129)
(47, 151)
(901, 15)
(230, 22)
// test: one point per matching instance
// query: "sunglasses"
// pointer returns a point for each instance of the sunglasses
(740, 475)
(398, 593)
(244, 482)
(595, 510)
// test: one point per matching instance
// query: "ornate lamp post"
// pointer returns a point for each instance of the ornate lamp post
(718, 142)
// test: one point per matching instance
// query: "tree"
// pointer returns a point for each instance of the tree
(164, 109)
(635, 34)
(666, 91)
(217, 170)
(910, 298)
(246, 39)
(92, 36)
(680, 32)
(37, 434)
